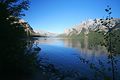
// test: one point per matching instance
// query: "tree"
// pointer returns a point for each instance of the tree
(17, 58)
(10, 13)
(111, 38)
(13, 8)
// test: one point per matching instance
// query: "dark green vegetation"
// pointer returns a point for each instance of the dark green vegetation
(111, 37)
(112, 43)
(18, 57)
(111, 40)
(18, 53)
(11, 23)
(10, 12)
(95, 38)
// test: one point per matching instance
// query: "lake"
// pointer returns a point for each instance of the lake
(70, 59)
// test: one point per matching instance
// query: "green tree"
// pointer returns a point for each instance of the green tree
(10, 13)
(112, 40)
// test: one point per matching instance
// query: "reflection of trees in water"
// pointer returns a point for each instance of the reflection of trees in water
(112, 44)
(50, 72)
(107, 70)
(85, 45)
(103, 69)
(17, 58)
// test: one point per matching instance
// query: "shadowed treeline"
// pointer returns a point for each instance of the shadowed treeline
(10, 12)
(17, 55)
(111, 40)
(17, 59)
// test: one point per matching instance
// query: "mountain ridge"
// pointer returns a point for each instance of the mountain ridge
(89, 25)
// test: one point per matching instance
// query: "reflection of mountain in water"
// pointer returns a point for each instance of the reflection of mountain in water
(83, 46)
(74, 59)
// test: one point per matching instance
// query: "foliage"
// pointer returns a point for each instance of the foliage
(112, 41)
(18, 59)
(10, 13)
(17, 56)
(13, 7)
(95, 38)
(115, 41)
(79, 36)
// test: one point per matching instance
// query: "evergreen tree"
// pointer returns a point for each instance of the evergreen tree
(10, 13)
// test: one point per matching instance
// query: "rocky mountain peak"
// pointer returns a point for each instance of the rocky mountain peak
(88, 25)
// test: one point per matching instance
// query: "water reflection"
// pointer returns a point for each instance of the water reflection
(57, 59)
(17, 59)
(70, 59)
(83, 46)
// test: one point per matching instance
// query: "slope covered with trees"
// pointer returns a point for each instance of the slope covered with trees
(11, 24)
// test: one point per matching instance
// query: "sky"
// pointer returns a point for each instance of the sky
(57, 15)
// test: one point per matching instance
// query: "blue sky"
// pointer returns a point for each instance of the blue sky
(57, 15)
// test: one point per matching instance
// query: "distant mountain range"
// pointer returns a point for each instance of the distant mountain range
(89, 25)
(45, 33)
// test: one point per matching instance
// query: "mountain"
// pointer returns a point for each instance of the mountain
(27, 28)
(89, 25)
(45, 33)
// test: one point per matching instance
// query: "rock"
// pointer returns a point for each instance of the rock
(37, 49)
(89, 25)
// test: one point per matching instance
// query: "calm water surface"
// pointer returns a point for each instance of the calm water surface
(67, 59)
